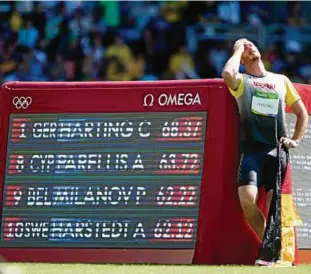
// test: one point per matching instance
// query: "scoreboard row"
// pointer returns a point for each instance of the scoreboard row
(106, 128)
(113, 231)
(108, 195)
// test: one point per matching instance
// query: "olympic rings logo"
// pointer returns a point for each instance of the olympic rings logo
(22, 102)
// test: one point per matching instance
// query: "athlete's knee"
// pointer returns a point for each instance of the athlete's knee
(248, 197)
(249, 208)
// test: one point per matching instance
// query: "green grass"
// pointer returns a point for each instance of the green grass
(28, 268)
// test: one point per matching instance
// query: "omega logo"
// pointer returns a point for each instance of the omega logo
(179, 99)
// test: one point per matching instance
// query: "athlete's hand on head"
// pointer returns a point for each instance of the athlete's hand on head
(289, 143)
(239, 45)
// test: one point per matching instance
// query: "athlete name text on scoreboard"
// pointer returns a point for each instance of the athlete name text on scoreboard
(64, 229)
(96, 162)
(102, 195)
(180, 128)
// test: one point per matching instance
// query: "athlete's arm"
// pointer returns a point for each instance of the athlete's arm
(302, 120)
(294, 101)
(230, 72)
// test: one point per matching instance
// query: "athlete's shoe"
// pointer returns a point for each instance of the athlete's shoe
(263, 263)
(281, 263)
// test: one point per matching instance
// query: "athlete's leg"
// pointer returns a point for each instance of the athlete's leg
(249, 171)
(248, 200)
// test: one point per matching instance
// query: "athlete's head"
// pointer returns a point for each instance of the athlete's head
(250, 54)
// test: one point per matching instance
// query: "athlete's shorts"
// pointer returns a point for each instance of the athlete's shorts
(258, 165)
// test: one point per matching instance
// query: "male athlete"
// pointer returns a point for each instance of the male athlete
(261, 97)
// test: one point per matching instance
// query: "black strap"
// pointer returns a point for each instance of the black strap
(270, 249)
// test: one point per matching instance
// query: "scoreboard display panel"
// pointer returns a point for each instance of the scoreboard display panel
(114, 180)
(301, 173)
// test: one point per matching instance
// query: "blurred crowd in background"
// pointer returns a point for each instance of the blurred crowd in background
(148, 40)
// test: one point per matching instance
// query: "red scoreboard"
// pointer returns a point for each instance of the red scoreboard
(102, 167)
